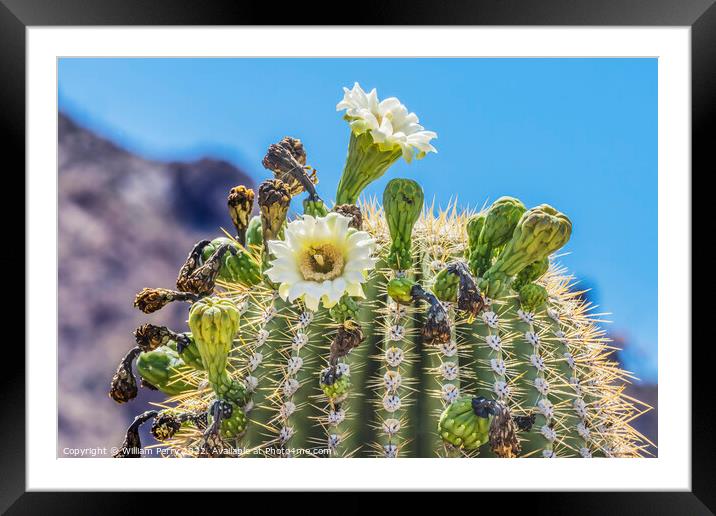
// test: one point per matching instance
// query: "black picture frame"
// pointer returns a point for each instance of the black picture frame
(700, 15)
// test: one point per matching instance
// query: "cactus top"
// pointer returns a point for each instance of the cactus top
(320, 260)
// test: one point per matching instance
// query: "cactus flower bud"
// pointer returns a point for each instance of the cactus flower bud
(287, 159)
(334, 384)
(235, 267)
(533, 296)
(540, 232)
(400, 290)
(131, 448)
(445, 286)
(314, 208)
(474, 228)
(436, 329)
(150, 300)
(274, 199)
(352, 212)
(402, 202)
(162, 369)
(240, 202)
(346, 309)
(499, 223)
(165, 425)
(124, 386)
(461, 427)
(503, 432)
(214, 322)
(149, 337)
(349, 336)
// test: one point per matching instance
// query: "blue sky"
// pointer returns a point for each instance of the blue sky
(580, 134)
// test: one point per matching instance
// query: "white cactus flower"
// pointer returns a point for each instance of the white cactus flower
(320, 260)
(389, 123)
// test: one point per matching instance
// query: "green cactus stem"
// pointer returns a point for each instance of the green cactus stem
(403, 202)
(240, 203)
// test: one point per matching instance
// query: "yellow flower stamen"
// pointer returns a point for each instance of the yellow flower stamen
(321, 262)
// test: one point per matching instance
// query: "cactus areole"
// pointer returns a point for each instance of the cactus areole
(357, 329)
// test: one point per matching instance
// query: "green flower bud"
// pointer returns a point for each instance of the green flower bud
(400, 290)
(474, 228)
(347, 308)
(533, 296)
(240, 267)
(214, 322)
(254, 233)
(233, 425)
(335, 387)
(188, 351)
(531, 273)
(315, 208)
(540, 232)
(402, 202)
(461, 427)
(162, 368)
(446, 285)
(365, 163)
(500, 222)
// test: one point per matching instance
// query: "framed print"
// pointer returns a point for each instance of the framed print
(416, 246)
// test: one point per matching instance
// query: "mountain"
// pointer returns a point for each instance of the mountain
(124, 223)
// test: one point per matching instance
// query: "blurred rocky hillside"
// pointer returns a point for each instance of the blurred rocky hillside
(124, 223)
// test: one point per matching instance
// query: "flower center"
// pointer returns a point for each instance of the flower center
(321, 262)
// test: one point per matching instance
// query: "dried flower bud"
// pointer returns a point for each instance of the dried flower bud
(150, 300)
(436, 329)
(165, 425)
(149, 336)
(348, 337)
(287, 160)
(296, 147)
(274, 200)
(353, 212)
(131, 448)
(192, 262)
(124, 386)
(468, 295)
(202, 281)
(240, 202)
(503, 433)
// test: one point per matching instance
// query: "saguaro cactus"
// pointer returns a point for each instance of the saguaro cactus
(369, 331)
